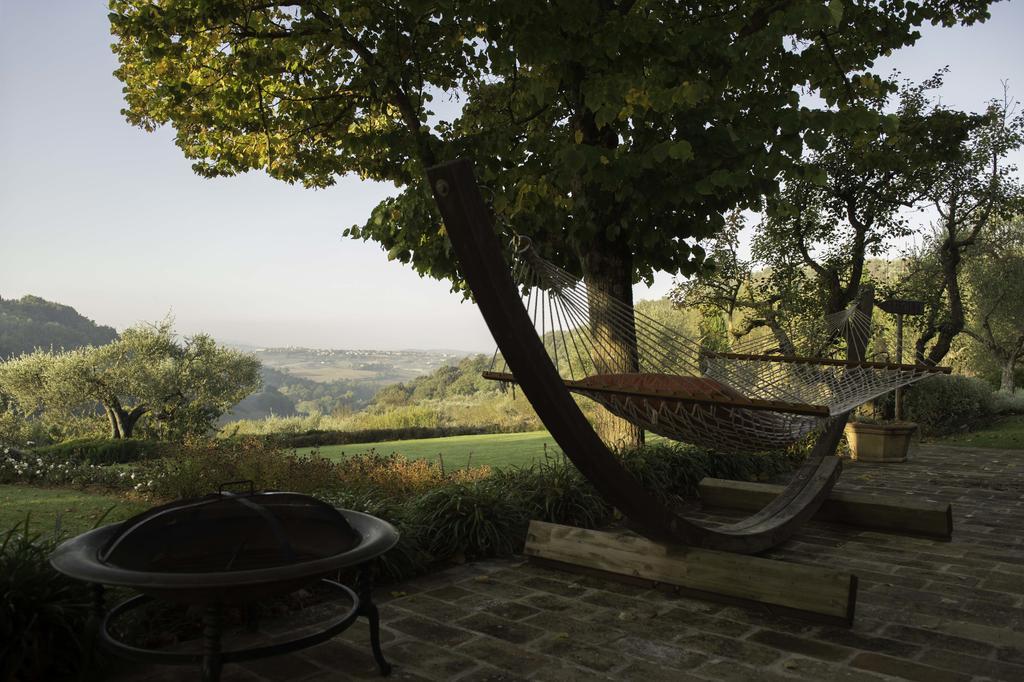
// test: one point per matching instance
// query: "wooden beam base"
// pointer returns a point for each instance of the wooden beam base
(878, 512)
(821, 594)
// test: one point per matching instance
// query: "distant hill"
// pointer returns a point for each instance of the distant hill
(32, 322)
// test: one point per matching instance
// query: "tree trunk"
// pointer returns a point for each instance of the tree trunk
(1006, 377)
(115, 430)
(608, 270)
(125, 421)
(949, 328)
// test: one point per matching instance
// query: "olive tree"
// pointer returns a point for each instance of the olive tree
(183, 385)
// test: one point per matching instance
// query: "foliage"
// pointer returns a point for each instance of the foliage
(994, 279)
(184, 385)
(200, 467)
(673, 470)
(42, 613)
(977, 187)
(946, 404)
(554, 490)
(32, 322)
(1006, 402)
(1005, 432)
(397, 477)
(592, 122)
(21, 467)
(463, 521)
(102, 450)
(481, 413)
(811, 250)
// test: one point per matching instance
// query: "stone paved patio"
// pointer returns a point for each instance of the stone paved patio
(927, 610)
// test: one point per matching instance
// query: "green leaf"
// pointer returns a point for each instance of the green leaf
(835, 9)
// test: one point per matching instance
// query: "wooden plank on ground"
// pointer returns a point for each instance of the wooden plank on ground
(878, 512)
(823, 593)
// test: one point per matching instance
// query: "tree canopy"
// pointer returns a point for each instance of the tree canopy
(627, 127)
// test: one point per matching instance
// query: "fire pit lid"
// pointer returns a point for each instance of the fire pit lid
(227, 531)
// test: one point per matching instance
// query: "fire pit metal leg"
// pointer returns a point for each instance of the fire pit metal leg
(364, 586)
(213, 622)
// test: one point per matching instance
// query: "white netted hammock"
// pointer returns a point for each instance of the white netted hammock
(764, 392)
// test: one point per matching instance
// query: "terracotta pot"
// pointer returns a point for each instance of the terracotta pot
(880, 442)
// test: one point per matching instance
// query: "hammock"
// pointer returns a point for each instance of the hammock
(760, 394)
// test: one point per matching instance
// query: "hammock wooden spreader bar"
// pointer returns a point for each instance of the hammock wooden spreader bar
(834, 362)
(678, 396)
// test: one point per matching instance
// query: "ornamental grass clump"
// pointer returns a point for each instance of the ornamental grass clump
(43, 614)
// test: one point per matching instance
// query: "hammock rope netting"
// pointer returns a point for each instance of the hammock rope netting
(762, 393)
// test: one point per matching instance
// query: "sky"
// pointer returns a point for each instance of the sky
(111, 220)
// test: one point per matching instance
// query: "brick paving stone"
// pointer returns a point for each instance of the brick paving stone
(511, 610)
(425, 605)
(548, 602)
(700, 621)
(932, 638)
(501, 654)
(562, 624)
(905, 669)
(972, 665)
(658, 652)
(485, 674)
(495, 588)
(564, 588)
(818, 670)
(429, 660)
(735, 672)
(508, 630)
(799, 645)
(651, 672)
(852, 638)
(728, 647)
(430, 631)
(568, 649)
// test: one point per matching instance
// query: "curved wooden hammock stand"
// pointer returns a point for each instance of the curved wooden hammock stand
(469, 226)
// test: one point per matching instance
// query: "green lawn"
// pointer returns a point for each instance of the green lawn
(496, 450)
(1007, 433)
(78, 511)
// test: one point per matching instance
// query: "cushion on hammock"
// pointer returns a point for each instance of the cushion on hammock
(660, 384)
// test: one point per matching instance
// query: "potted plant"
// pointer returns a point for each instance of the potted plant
(873, 440)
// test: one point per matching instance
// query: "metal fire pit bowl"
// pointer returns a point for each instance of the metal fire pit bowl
(229, 549)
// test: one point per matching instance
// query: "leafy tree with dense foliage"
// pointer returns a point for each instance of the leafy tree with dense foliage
(32, 322)
(615, 133)
(811, 250)
(184, 385)
(994, 278)
(978, 187)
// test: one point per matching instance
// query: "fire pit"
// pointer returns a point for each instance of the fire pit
(229, 549)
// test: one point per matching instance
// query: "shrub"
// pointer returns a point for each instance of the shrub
(102, 450)
(946, 404)
(42, 613)
(467, 521)
(200, 467)
(395, 476)
(553, 490)
(675, 470)
(28, 467)
(1005, 402)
